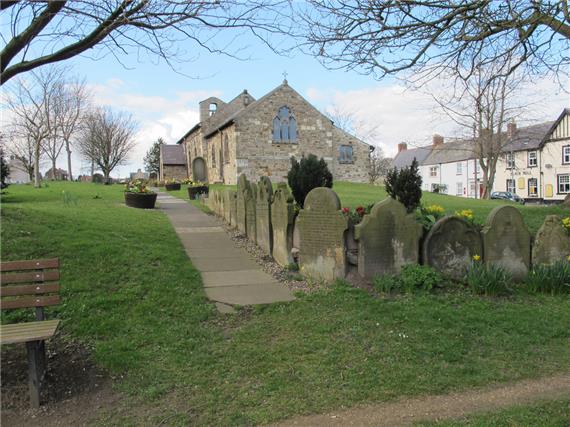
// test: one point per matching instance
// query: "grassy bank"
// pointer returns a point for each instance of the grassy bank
(130, 293)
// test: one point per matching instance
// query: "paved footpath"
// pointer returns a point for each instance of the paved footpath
(230, 275)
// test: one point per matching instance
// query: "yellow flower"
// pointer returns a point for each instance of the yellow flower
(435, 209)
(478, 257)
(568, 257)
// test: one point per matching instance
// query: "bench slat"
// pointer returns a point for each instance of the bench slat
(27, 302)
(30, 331)
(39, 276)
(32, 264)
(9, 291)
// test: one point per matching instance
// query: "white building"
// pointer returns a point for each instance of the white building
(536, 162)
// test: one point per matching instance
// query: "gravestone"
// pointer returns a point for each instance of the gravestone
(566, 202)
(233, 208)
(450, 246)
(250, 202)
(282, 218)
(388, 238)
(243, 187)
(227, 206)
(264, 232)
(506, 241)
(552, 242)
(321, 227)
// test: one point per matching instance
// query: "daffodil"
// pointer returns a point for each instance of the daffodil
(478, 257)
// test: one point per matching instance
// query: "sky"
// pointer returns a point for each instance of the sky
(164, 101)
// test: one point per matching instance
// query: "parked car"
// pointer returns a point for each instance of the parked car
(506, 195)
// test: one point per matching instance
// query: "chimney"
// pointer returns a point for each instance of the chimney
(402, 147)
(437, 140)
(511, 128)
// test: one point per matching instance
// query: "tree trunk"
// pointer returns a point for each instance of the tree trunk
(37, 182)
(53, 170)
(92, 169)
(67, 148)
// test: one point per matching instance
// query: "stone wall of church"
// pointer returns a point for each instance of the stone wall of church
(258, 155)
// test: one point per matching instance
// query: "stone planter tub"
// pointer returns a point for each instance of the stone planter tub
(194, 192)
(140, 200)
(172, 187)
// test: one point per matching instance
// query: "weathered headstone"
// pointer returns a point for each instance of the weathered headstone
(451, 245)
(243, 187)
(250, 202)
(282, 217)
(322, 226)
(552, 242)
(228, 195)
(233, 209)
(264, 233)
(566, 202)
(388, 238)
(506, 241)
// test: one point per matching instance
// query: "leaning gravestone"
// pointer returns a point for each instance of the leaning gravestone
(250, 202)
(233, 209)
(282, 217)
(243, 187)
(451, 245)
(264, 232)
(552, 242)
(228, 196)
(321, 227)
(388, 238)
(506, 241)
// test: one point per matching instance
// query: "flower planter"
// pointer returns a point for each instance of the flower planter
(140, 200)
(194, 192)
(172, 187)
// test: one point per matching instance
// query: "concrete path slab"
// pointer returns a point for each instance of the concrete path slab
(249, 294)
(229, 274)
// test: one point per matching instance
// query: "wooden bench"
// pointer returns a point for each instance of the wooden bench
(30, 284)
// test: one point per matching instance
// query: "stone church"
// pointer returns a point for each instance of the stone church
(258, 137)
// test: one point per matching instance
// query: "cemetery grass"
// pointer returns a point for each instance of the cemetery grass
(130, 295)
(552, 414)
(354, 194)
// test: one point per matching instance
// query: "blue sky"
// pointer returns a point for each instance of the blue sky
(165, 103)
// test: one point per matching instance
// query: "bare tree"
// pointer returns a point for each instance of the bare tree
(348, 121)
(379, 165)
(22, 148)
(72, 103)
(108, 139)
(49, 31)
(32, 101)
(482, 106)
(381, 37)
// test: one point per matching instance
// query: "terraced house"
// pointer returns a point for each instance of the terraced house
(535, 163)
(258, 138)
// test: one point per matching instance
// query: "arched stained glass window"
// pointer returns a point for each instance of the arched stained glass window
(284, 126)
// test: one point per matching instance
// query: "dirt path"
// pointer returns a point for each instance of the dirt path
(456, 405)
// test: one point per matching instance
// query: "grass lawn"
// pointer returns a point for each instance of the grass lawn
(353, 194)
(550, 414)
(130, 293)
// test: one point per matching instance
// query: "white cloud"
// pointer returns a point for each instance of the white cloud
(402, 114)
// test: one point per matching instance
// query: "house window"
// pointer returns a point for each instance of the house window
(226, 149)
(564, 183)
(433, 171)
(284, 126)
(459, 189)
(566, 155)
(532, 159)
(460, 168)
(345, 154)
(533, 187)
(510, 160)
(511, 186)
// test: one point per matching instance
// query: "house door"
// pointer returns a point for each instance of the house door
(199, 169)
